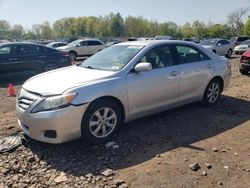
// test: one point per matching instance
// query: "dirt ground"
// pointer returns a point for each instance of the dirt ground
(153, 152)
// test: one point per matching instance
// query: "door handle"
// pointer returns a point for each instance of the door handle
(174, 73)
(13, 59)
(42, 56)
(209, 66)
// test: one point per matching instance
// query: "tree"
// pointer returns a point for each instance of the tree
(219, 31)
(17, 32)
(37, 30)
(187, 30)
(4, 29)
(200, 30)
(234, 20)
(46, 31)
(246, 28)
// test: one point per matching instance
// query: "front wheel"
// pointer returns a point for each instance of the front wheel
(101, 121)
(212, 92)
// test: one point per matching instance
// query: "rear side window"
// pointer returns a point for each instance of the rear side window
(29, 50)
(188, 54)
(94, 43)
(5, 50)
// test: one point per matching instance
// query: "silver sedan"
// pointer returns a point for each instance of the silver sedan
(119, 84)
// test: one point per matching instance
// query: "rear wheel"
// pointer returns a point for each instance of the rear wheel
(72, 55)
(212, 92)
(229, 53)
(50, 66)
(101, 121)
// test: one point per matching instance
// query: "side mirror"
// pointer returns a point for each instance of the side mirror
(219, 44)
(143, 67)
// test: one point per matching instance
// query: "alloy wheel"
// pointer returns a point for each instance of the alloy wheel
(103, 122)
(213, 93)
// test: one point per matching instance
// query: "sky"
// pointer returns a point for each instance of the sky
(29, 12)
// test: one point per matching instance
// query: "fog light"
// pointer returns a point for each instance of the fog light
(50, 134)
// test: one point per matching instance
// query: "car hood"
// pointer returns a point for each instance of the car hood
(57, 81)
(242, 46)
(247, 53)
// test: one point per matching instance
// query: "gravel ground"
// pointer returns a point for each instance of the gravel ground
(192, 146)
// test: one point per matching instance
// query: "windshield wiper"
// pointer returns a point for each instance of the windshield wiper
(90, 67)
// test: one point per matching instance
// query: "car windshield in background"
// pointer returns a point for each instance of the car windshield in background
(113, 58)
(73, 43)
(208, 42)
(246, 42)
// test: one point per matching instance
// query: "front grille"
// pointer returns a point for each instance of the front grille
(25, 102)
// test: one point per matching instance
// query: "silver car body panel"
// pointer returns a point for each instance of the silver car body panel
(140, 94)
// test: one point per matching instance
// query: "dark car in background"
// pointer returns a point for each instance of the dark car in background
(245, 63)
(30, 59)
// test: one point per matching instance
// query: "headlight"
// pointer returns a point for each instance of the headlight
(55, 102)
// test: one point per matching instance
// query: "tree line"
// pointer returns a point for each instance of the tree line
(115, 26)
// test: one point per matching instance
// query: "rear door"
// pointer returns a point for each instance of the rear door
(196, 68)
(8, 59)
(31, 58)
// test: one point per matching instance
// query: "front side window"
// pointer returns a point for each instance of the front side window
(188, 54)
(113, 58)
(159, 57)
(29, 50)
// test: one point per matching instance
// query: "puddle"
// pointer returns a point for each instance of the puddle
(10, 143)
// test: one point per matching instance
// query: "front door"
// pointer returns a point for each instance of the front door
(155, 90)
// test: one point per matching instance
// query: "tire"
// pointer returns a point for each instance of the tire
(72, 55)
(50, 66)
(212, 92)
(100, 132)
(229, 53)
(244, 72)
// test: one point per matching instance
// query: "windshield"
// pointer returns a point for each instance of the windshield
(246, 42)
(208, 42)
(113, 58)
(74, 43)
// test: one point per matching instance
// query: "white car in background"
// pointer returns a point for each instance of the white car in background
(219, 46)
(242, 48)
(83, 47)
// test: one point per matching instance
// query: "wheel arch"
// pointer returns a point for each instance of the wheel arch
(220, 79)
(113, 99)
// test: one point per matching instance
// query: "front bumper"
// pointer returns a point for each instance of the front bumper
(64, 123)
(239, 51)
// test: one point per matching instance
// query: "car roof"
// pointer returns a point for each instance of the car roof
(155, 42)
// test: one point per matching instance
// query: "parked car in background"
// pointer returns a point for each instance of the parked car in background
(238, 40)
(245, 63)
(219, 46)
(27, 58)
(119, 84)
(242, 48)
(163, 38)
(56, 44)
(113, 43)
(83, 47)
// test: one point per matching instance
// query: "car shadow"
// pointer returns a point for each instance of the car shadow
(143, 139)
